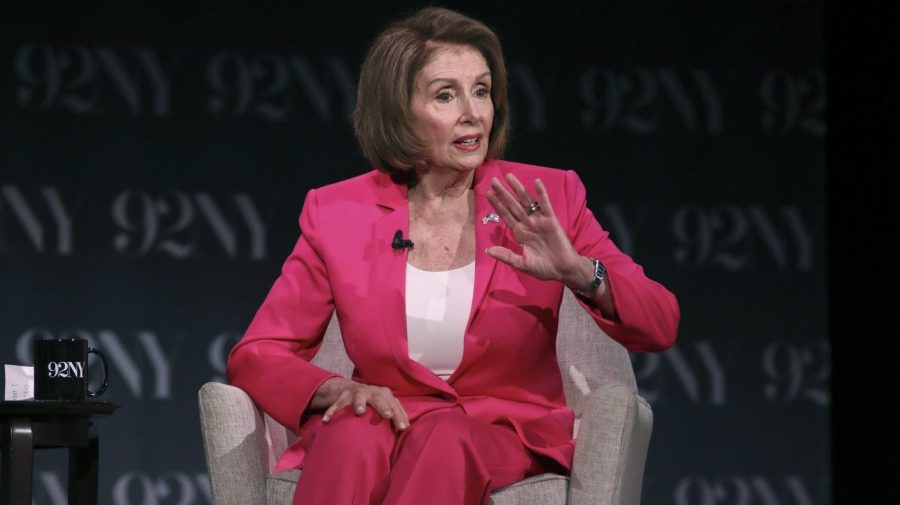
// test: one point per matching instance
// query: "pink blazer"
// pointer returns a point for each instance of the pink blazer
(509, 373)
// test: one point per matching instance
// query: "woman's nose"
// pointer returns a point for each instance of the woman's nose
(469, 110)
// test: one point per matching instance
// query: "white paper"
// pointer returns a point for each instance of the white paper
(19, 383)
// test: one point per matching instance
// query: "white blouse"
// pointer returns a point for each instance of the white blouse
(437, 310)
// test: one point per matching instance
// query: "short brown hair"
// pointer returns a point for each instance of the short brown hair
(382, 119)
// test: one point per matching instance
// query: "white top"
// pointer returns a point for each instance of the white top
(437, 310)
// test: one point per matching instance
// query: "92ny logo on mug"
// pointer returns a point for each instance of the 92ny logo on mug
(65, 369)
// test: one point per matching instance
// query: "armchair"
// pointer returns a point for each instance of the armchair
(612, 427)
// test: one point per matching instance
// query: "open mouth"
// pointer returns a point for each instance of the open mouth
(468, 141)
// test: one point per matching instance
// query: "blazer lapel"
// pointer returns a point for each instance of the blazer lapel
(390, 274)
(487, 233)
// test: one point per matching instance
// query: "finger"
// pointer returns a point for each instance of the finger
(501, 209)
(360, 399)
(328, 413)
(524, 196)
(341, 402)
(543, 197)
(384, 408)
(382, 403)
(502, 194)
(511, 203)
(401, 420)
(388, 404)
(505, 255)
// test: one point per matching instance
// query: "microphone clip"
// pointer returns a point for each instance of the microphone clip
(399, 243)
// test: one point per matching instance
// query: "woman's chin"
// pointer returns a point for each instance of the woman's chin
(469, 162)
(457, 164)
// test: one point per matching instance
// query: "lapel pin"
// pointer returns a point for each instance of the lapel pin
(492, 218)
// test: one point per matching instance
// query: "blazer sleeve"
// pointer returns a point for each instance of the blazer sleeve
(271, 362)
(648, 313)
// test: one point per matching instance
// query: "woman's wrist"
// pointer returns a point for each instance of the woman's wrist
(580, 275)
(328, 392)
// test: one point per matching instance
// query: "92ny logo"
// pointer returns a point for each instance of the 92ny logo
(65, 369)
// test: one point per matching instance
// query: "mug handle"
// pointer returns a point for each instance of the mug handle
(105, 385)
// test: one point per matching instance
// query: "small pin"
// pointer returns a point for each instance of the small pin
(493, 218)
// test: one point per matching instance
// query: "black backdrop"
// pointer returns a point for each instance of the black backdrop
(153, 164)
(863, 214)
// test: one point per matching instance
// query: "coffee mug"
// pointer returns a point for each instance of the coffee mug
(60, 369)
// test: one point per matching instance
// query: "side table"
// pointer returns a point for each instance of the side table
(29, 425)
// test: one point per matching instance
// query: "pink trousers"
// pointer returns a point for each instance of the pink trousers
(444, 457)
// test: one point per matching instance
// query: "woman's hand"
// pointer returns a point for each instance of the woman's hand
(338, 393)
(547, 252)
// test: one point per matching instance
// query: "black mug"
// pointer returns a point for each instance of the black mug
(60, 369)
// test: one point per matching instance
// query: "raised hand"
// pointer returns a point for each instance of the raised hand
(547, 252)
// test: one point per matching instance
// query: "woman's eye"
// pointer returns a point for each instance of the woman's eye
(483, 93)
(443, 96)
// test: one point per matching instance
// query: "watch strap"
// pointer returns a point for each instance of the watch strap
(596, 280)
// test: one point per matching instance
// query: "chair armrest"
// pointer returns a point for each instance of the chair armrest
(611, 448)
(234, 439)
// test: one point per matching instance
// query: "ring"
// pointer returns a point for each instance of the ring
(534, 207)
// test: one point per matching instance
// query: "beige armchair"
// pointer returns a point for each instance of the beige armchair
(613, 426)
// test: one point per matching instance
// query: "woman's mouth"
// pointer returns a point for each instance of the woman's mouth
(468, 142)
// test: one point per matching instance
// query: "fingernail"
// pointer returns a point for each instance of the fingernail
(325, 419)
(360, 410)
(402, 426)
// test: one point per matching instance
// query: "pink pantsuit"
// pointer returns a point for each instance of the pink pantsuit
(502, 414)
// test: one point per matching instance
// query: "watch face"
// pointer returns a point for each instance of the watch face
(601, 273)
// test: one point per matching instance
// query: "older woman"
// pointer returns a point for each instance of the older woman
(446, 267)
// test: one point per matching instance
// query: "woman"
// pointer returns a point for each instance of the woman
(446, 267)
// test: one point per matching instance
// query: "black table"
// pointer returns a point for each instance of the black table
(29, 425)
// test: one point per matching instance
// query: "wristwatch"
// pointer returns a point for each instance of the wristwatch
(599, 275)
